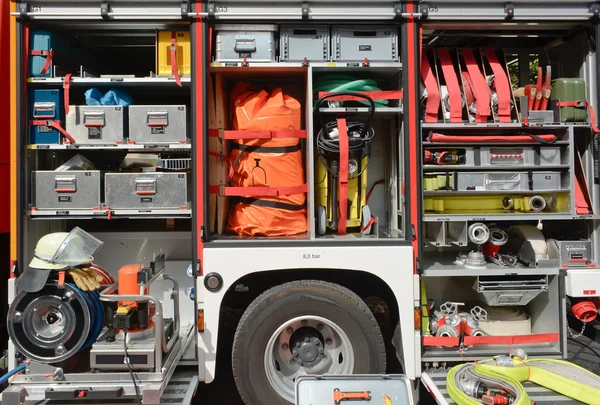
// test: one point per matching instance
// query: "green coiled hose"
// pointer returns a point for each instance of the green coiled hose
(338, 83)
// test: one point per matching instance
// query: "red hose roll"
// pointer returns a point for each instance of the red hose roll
(440, 138)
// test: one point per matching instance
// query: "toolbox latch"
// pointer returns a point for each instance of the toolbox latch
(145, 186)
(157, 118)
(94, 119)
(44, 110)
(65, 184)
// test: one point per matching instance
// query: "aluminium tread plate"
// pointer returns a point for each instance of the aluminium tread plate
(180, 390)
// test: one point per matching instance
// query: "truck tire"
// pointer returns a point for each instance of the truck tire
(303, 327)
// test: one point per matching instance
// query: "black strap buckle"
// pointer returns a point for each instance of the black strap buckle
(211, 9)
(104, 8)
(23, 9)
(185, 9)
(305, 11)
(509, 10)
(398, 11)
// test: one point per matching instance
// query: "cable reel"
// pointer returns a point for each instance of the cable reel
(53, 324)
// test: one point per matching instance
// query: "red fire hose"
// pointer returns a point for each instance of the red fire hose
(440, 138)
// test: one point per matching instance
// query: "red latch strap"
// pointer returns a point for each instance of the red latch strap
(67, 88)
(55, 125)
(343, 175)
(257, 134)
(48, 54)
(174, 69)
(225, 191)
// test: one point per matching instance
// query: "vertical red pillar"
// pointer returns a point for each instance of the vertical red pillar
(199, 74)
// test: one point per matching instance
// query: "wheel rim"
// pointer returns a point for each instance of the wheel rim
(306, 345)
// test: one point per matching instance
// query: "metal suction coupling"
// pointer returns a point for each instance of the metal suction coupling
(508, 203)
(537, 203)
(51, 325)
(498, 237)
(479, 233)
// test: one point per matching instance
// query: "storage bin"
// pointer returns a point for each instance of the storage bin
(95, 124)
(46, 105)
(304, 42)
(157, 124)
(182, 53)
(68, 190)
(151, 190)
(43, 42)
(256, 43)
(508, 181)
(376, 43)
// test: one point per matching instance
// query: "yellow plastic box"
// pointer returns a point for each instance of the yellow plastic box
(163, 53)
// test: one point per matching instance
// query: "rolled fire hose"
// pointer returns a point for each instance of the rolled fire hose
(581, 385)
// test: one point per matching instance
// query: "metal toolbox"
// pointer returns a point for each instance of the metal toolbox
(508, 181)
(519, 156)
(334, 389)
(46, 106)
(375, 43)
(157, 124)
(95, 124)
(150, 190)
(67, 190)
(255, 43)
(298, 43)
(570, 253)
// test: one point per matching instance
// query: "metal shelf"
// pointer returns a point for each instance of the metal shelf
(452, 193)
(509, 216)
(439, 354)
(463, 144)
(299, 65)
(112, 81)
(364, 110)
(170, 147)
(110, 214)
(444, 266)
(456, 168)
(497, 125)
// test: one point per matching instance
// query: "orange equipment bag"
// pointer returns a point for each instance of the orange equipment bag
(277, 162)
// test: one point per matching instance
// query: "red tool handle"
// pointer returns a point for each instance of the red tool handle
(339, 396)
(145, 192)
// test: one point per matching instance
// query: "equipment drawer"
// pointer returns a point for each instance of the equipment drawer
(68, 190)
(146, 190)
(377, 44)
(157, 124)
(304, 42)
(255, 43)
(95, 124)
(508, 181)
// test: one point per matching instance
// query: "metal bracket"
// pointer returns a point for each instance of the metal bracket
(305, 10)
(210, 9)
(424, 10)
(23, 8)
(104, 7)
(185, 9)
(595, 9)
(398, 11)
(509, 10)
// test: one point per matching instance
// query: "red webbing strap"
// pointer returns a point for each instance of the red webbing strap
(343, 175)
(372, 221)
(582, 104)
(67, 88)
(226, 191)
(452, 85)
(378, 182)
(48, 54)
(440, 138)
(433, 92)
(375, 95)
(174, 70)
(55, 125)
(257, 134)
(480, 87)
(538, 90)
(224, 158)
(547, 89)
(502, 85)
(490, 340)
